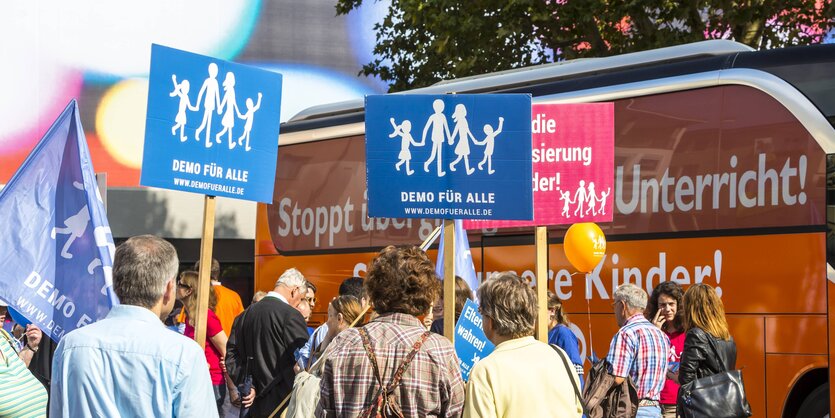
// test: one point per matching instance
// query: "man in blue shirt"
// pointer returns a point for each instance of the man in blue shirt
(128, 364)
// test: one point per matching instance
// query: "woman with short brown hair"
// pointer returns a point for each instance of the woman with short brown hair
(401, 285)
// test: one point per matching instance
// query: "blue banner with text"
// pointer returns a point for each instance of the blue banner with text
(471, 345)
(465, 156)
(211, 127)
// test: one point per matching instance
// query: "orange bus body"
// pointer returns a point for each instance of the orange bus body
(723, 184)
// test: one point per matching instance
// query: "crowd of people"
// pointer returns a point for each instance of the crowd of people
(375, 356)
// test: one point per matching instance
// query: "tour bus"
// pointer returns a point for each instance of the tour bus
(723, 175)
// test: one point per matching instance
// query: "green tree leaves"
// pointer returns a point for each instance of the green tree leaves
(421, 42)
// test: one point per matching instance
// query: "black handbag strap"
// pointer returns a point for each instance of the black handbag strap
(568, 369)
(719, 358)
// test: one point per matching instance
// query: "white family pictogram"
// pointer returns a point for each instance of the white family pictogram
(599, 243)
(440, 133)
(585, 199)
(209, 97)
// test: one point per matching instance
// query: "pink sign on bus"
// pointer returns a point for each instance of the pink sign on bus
(573, 165)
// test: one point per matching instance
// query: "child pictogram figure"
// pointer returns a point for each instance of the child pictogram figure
(248, 116)
(181, 91)
(488, 141)
(404, 132)
(603, 197)
(565, 196)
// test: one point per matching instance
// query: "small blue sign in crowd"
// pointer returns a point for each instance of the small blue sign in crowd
(212, 126)
(449, 156)
(471, 345)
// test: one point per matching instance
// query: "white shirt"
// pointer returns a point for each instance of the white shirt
(274, 294)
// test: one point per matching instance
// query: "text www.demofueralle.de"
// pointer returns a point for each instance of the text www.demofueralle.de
(449, 211)
(202, 185)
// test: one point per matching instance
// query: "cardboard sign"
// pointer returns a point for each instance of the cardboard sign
(573, 165)
(211, 127)
(471, 345)
(449, 156)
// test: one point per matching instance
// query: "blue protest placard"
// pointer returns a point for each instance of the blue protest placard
(57, 247)
(211, 127)
(471, 345)
(464, 156)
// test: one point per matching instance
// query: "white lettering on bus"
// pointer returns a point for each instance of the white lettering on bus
(752, 188)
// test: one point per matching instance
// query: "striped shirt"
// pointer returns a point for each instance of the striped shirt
(430, 387)
(639, 350)
(21, 394)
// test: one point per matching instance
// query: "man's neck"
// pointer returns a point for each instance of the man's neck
(157, 310)
(630, 314)
(285, 292)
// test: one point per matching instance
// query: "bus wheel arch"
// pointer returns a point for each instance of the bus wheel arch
(806, 393)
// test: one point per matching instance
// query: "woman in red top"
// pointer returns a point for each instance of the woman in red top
(215, 337)
(663, 311)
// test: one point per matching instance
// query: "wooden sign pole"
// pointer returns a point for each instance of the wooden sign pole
(449, 280)
(205, 271)
(542, 283)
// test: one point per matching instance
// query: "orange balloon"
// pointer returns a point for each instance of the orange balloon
(584, 245)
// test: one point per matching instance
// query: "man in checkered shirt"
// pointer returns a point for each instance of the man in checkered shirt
(638, 350)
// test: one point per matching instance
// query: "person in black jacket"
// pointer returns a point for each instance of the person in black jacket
(268, 333)
(708, 343)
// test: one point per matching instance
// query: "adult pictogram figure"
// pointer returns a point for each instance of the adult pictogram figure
(591, 200)
(462, 130)
(580, 199)
(210, 101)
(181, 91)
(229, 108)
(440, 130)
(404, 132)
(489, 145)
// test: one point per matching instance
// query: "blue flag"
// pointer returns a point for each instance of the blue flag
(57, 249)
(464, 267)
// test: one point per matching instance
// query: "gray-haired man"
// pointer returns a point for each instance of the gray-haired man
(128, 364)
(267, 334)
(638, 350)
